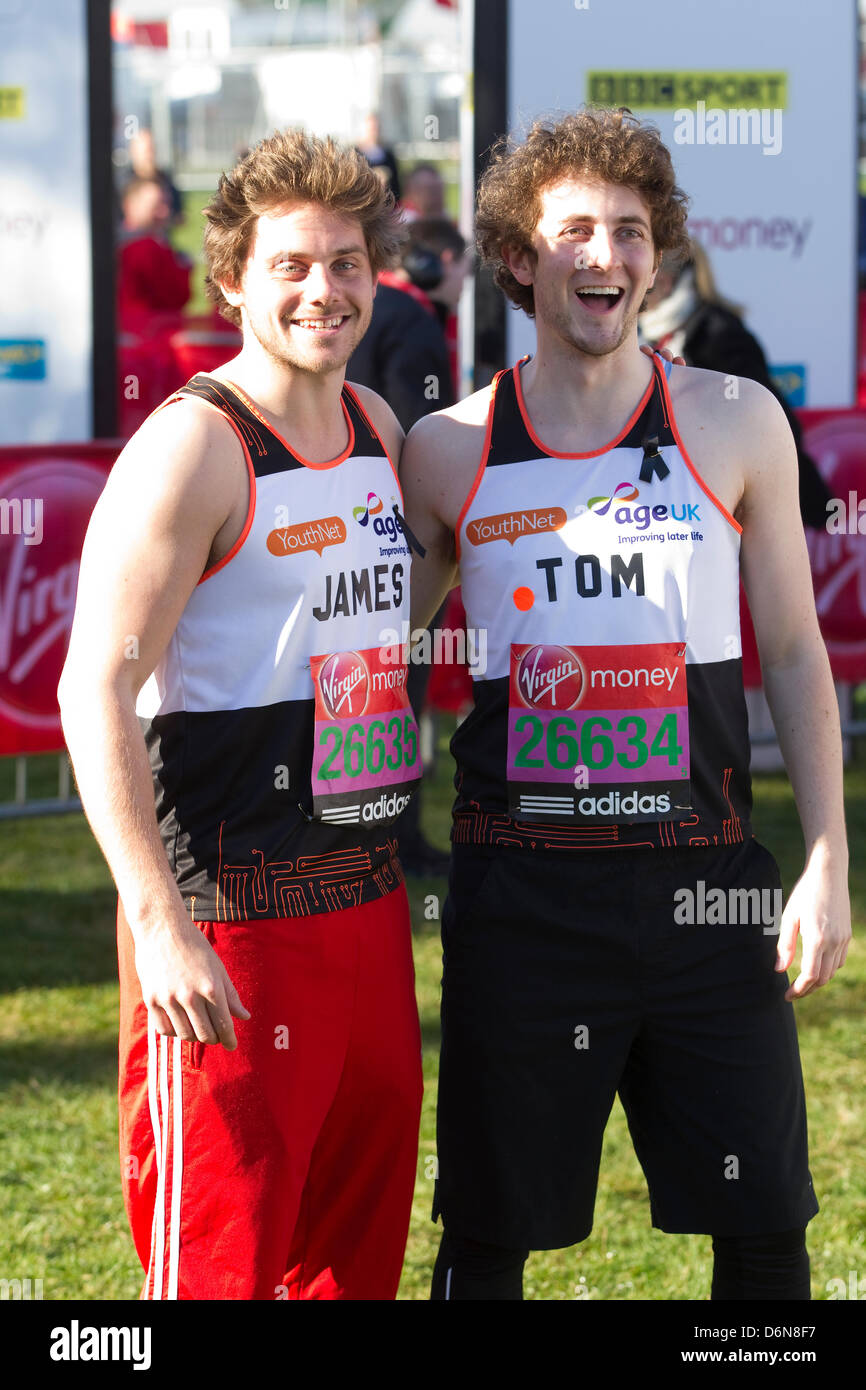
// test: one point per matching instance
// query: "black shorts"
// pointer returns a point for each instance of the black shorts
(566, 981)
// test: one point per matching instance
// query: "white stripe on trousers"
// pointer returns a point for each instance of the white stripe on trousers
(163, 1092)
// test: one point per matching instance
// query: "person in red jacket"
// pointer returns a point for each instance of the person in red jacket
(152, 278)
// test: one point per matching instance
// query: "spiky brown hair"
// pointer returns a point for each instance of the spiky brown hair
(292, 166)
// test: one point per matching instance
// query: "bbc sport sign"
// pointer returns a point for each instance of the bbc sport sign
(760, 115)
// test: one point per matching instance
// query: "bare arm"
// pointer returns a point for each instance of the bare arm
(440, 457)
(171, 493)
(799, 689)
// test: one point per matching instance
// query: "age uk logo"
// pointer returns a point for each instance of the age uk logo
(373, 508)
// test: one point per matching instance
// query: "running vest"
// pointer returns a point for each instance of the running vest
(280, 737)
(611, 708)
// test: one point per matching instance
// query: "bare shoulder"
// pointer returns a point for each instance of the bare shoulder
(382, 418)
(182, 479)
(442, 455)
(710, 399)
(470, 413)
(458, 430)
(732, 429)
(184, 444)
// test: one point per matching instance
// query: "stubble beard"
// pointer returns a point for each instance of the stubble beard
(280, 350)
(564, 324)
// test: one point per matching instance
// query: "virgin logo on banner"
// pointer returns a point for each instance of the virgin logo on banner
(837, 442)
(836, 439)
(46, 496)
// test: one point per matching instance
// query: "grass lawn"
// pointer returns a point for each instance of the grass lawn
(61, 1216)
(188, 237)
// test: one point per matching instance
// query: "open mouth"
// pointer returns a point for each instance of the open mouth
(600, 299)
(321, 325)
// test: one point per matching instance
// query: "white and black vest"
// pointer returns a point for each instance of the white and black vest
(281, 741)
(611, 710)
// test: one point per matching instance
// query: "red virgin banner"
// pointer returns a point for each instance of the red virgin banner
(836, 439)
(47, 493)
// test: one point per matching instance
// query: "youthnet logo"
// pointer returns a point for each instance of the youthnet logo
(640, 517)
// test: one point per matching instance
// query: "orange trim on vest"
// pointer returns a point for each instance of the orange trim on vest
(593, 453)
(488, 434)
(687, 461)
(375, 433)
(317, 467)
(251, 475)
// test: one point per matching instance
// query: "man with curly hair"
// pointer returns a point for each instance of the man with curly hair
(237, 574)
(612, 925)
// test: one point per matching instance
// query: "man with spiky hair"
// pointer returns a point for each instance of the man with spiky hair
(236, 574)
(599, 506)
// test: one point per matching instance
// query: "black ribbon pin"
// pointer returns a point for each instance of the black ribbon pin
(411, 539)
(653, 464)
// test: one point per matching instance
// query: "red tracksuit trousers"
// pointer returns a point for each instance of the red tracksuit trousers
(284, 1169)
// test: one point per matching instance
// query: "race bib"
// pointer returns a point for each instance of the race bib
(366, 759)
(598, 735)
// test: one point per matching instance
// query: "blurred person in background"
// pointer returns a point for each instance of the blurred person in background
(686, 313)
(143, 165)
(380, 157)
(153, 280)
(423, 193)
(439, 239)
(408, 354)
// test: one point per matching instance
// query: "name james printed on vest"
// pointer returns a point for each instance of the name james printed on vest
(347, 593)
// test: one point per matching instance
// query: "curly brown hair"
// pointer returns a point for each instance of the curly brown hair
(292, 166)
(596, 143)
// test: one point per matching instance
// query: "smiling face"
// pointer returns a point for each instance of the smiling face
(306, 293)
(593, 261)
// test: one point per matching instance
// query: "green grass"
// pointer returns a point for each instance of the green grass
(61, 1216)
(188, 237)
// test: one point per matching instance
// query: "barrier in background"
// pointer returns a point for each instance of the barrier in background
(47, 493)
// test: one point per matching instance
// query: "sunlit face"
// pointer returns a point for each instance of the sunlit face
(593, 264)
(306, 293)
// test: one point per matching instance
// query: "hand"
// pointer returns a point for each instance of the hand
(185, 985)
(820, 910)
(665, 353)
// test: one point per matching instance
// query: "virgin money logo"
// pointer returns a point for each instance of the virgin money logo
(345, 685)
(38, 585)
(550, 678)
